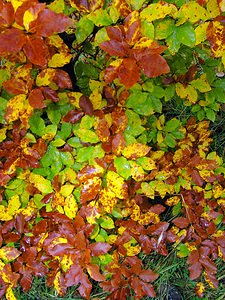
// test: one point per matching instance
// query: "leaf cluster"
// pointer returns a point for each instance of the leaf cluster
(93, 173)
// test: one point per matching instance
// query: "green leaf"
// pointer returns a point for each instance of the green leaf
(185, 34)
(86, 135)
(170, 140)
(178, 134)
(4, 75)
(42, 184)
(134, 127)
(210, 114)
(169, 92)
(176, 209)
(147, 29)
(123, 167)
(137, 4)
(84, 28)
(65, 131)
(54, 113)
(164, 28)
(156, 104)
(100, 17)
(171, 125)
(183, 250)
(201, 115)
(67, 158)
(90, 153)
(74, 142)
(3, 105)
(106, 222)
(140, 103)
(37, 124)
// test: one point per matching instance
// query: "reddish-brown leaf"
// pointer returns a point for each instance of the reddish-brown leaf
(62, 79)
(93, 271)
(73, 116)
(20, 223)
(89, 172)
(115, 33)
(36, 50)
(115, 48)
(49, 22)
(129, 72)
(86, 105)
(181, 222)
(26, 5)
(148, 275)
(85, 286)
(6, 14)
(99, 248)
(11, 41)
(149, 290)
(195, 270)
(72, 276)
(4, 178)
(154, 65)
(90, 189)
(36, 99)
(118, 143)
(197, 179)
(49, 94)
(103, 130)
(26, 281)
(15, 86)
(208, 264)
(157, 229)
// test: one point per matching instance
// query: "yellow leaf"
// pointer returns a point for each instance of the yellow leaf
(192, 12)
(45, 77)
(42, 184)
(9, 294)
(158, 11)
(96, 99)
(66, 262)
(2, 134)
(13, 204)
(107, 199)
(4, 215)
(16, 3)
(115, 183)
(132, 250)
(70, 207)
(57, 6)
(137, 172)
(66, 190)
(9, 253)
(172, 200)
(223, 59)
(201, 84)
(56, 283)
(135, 150)
(59, 60)
(15, 108)
(222, 5)
(188, 92)
(29, 16)
(213, 8)
(200, 33)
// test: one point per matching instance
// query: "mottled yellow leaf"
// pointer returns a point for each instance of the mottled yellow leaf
(2, 134)
(200, 33)
(132, 250)
(201, 84)
(56, 283)
(9, 294)
(191, 11)
(173, 200)
(42, 184)
(9, 253)
(148, 190)
(96, 99)
(188, 92)
(59, 60)
(66, 262)
(66, 190)
(4, 215)
(45, 77)
(74, 98)
(15, 108)
(135, 150)
(107, 199)
(116, 184)
(213, 8)
(158, 11)
(13, 204)
(70, 206)
(137, 172)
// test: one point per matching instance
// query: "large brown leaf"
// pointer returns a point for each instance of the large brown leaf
(11, 41)
(99, 248)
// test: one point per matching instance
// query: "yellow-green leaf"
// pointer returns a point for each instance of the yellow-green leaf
(42, 184)
(158, 11)
(135, 151)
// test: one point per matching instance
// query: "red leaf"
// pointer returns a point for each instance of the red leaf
(181, 222)
(6, 14)
(99, 248)
(86, 105)
(49, 94)
(148, 275)
(49, 22)
(36, 99)
(208, 264)
(73, 116)
(26, 281)
(115, 48)
(15, 86)
(36, 50)
(72, 276)
(197, 179)
(157, 209)
(115, 33)
(136, 285)
(149, 290)
(11, 41)
(62, 79)
(93, 271)
(158, 228)
(195, 270)
(154, 65)
(85, 286)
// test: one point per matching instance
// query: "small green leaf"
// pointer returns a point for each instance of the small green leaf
(147, 29)
(37, 124)
(84, 28)
(54, 113)
(67, 158)
(144, 104)
(123, 167)
(106, 222)
(172, 125)
(210, 114)
(176, 209)
(182, 250)
(169, 140)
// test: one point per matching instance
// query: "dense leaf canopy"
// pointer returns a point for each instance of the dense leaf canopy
(93, 172)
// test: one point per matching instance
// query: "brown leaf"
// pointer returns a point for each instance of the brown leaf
(197, 179)
(49, 22)
(93, 271)
(128, 72)
(154, 65)
(85, 286)
(11, 41)
(73, 116)
(26, 281)
(149, 290)
(36, 99)
(7, 14)
(118, 143)
(86, 105)
(50, 94)
(195, 270)
(90, 189)
(62, 79)
(15, 86)
(115, 47)
(36, 50)
(99, 248)
(89, 172)
(148, 275)
(181, 222)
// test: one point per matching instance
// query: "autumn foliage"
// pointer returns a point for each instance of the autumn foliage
(92, 172)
